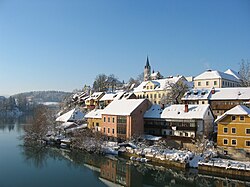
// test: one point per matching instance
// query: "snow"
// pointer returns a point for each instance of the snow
(96, 113)
(151, 137)
(232, 93)
(122, 107)
(154, 112)
(177, 112)
(215, 75)
(72, 115)
(237, 110)
(95, 95)
(108, 97)
(225, 163)
(234, 73)
(160, 84)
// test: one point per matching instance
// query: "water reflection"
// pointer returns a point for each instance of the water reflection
(114, 171)
(15, 124)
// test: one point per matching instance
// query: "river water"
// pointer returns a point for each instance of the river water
(52, 167)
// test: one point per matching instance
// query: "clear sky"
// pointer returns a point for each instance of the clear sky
(64, 44)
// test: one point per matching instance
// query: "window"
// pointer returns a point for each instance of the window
(225, 141)
(186, 134)
(151, 87)
(104, 119)
(151, 96)
(108, 130)
(233, 130)
(233, 118)
(247, 131)
(97, 124)
(155, 96)
(108, 119)
(104, 129)
(122, 119)
(215, 83)
(159, 95)
(233, 142)
(199, 83)
(113, 120)
(203, 102)
(207, 83)
(248, 143)
(225, 130)
(113, 131)
(242, 118)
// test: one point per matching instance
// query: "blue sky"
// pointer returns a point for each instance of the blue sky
(62, 44)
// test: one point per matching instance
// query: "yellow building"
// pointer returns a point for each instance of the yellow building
(234, 128)
(155, 90)
(217, 79)
(94, 119)
(93, 101)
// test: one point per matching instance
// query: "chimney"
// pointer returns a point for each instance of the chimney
(213, 91)
(186, 107)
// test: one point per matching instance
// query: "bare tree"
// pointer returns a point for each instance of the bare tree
(175, 92)
(245, 73)
(100, 83)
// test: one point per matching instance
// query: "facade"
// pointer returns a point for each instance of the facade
(234, 128)
(190, 121)
(123, 119)
(93, 101)
(94, 119)
(220, 99)
(155, 90)
(216, 79)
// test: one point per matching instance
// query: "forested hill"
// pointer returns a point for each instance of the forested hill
(44, 96)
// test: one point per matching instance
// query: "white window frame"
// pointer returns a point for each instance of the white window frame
(235, 142)
(224, 130)
(232, 130)
(224, 140)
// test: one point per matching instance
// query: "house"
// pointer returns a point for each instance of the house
(220, 99)
(73, 115)
(94, 119)
(109, 97)
(191, 121)
(217, 79)
(234, 128)
(123, 118)
(155, 90)
(93, 101)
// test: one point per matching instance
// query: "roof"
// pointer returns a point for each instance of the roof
(177, 112)
(96, 113)
(231, 93)
(237, 110)
(95, 95)
(232, 72)
(108, 97)
(160, 84)
(155, 111)
(72, 115)
(123, 107)
(209, 74)
(197, 94)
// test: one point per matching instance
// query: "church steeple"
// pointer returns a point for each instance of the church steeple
(147, 70)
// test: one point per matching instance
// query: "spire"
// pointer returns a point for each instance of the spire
(147, 62)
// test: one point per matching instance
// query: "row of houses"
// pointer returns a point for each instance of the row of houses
(213, 105)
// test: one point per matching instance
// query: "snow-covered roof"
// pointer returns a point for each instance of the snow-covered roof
(108, 97)
(160, 84)
(232, 72)
(123, 107)
(95, 95)
(177, 112)
(72, 115)
(96, 113)
(237, 110)
(232, 93)
(197, 94)
(155, 111)
(209, 74)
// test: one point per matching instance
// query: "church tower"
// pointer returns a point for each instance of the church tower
(147, 71)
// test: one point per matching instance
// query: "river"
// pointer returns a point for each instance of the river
(52, 167)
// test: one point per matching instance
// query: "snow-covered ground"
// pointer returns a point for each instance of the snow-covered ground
(225, 163)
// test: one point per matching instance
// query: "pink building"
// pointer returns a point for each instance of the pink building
(124, 118)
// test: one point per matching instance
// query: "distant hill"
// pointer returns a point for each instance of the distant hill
(44, 96)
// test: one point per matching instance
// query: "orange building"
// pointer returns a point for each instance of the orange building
(234, 128)
(124, 118)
